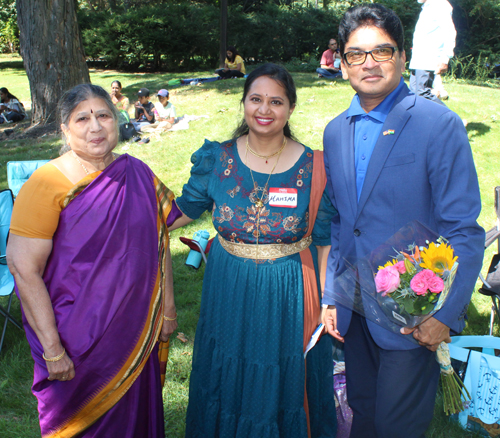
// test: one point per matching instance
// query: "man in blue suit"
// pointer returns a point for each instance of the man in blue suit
(392, 158)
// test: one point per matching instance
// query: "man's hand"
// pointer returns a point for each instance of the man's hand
(329, 318)
(442, 68)
(430, 333)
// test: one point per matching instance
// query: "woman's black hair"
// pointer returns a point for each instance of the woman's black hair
(282, 77)
(78, 94)
(371, 14)
(8, 93)
(118, 82)
(235, 53)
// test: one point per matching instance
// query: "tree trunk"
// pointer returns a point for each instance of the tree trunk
(52, 52)
(223, 33)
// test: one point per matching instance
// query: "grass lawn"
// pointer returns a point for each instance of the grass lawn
(169, 157)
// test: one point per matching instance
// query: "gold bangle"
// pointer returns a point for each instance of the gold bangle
(54, 359)
(167, 318)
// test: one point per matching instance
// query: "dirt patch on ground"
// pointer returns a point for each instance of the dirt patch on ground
(23, 130)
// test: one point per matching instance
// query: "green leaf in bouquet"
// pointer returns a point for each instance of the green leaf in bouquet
(427, 308)
(408, 305)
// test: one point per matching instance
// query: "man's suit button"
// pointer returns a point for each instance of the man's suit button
(357, 233)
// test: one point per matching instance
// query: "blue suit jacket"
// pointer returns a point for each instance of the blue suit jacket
(424, 171)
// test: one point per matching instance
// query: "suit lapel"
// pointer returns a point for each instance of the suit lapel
(396, 121)
(348, 162)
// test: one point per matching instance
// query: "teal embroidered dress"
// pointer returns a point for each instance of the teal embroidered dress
(248, 370)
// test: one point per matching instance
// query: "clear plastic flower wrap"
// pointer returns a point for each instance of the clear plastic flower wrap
(402, 282)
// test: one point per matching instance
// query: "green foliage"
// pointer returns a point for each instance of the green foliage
(477, 27)
(476, 69)
(9, 32)
(163, 36)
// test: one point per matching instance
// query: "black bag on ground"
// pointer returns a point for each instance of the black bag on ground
(127, 131)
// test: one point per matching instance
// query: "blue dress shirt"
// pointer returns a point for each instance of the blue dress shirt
(367, 129)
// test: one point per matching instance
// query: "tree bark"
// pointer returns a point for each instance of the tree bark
(52, 52)
(223, 33)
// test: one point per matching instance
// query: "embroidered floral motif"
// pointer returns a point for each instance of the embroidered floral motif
(291, 223)
(235, 212)
(304, 172)
(254, 227)
(226, 214)
(233, 192)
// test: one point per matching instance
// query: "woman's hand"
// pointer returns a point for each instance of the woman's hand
(62, 370)
(167, 329)
(329, 318)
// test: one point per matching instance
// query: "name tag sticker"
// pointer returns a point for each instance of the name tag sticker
(282, 197)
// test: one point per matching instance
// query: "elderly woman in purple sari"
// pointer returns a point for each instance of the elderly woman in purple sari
(89, 252)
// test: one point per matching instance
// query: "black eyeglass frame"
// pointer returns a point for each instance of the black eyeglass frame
(370, 52)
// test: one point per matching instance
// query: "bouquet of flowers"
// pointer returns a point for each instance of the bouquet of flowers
(414, 283)
(401, 284)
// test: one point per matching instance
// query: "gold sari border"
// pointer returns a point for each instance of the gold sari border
(264, 252)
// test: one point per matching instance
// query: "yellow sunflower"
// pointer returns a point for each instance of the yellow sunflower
(438, 258)
(389, 263)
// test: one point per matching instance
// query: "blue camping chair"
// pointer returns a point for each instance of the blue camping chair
(18, 173)
(6, 278)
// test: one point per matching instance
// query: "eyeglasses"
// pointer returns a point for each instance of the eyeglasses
(380, 55)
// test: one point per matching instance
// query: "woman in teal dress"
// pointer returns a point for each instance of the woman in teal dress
(260, 300)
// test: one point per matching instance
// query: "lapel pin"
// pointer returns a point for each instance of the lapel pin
(389, 132)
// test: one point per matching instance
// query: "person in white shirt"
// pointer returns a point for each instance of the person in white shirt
(164, 113)
(433, 44)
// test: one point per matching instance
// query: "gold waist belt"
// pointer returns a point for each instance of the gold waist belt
(264, 252)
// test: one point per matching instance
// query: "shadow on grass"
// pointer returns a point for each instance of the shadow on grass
(17, 64)
(476, 129)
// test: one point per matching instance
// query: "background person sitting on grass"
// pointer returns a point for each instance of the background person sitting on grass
(11, 110)
(164, 113)
(330, 62)
(234, 66)
(144, 110)
(119, 100)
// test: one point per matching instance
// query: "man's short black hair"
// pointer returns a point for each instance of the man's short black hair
(371, 14)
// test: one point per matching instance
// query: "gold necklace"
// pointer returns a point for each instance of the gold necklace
(81, 164)
(259, 203)
(266, 157)
(78, 159)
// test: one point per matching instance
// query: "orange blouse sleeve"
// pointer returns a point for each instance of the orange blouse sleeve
(39, 203)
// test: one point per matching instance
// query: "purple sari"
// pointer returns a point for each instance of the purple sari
(103, 279)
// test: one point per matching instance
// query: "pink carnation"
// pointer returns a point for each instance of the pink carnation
(435, 284)
(400, 266)
(426, 280)
(387, 280)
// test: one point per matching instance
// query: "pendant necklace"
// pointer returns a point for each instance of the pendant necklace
(259, 202)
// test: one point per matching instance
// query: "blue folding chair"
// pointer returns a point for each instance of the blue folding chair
(6, 278)
(18, 173)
